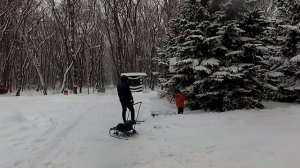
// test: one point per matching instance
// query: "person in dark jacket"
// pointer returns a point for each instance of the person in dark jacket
(125, 98)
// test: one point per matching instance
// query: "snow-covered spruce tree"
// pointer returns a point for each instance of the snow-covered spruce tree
(221, 60)
(268, 41)
(288, 19)
(164, 53)
(184, 40)
(273, 41)
(234, 59)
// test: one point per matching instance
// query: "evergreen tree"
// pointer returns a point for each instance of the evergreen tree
(288, 19)
(220, 50)
(184, 41)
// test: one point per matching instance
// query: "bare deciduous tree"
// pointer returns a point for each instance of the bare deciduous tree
(76, 43)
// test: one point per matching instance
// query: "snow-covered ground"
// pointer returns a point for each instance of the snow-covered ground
(58, 131)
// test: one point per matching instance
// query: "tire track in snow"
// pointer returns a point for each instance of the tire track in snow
(59, 138)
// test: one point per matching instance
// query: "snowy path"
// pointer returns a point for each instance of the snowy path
(59, 131)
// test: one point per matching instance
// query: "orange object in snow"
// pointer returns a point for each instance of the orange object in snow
(179, 99)
(65, 92)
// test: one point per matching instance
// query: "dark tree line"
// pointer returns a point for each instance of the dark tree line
(49, 44)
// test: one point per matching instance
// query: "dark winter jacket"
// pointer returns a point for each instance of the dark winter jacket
(124, 93)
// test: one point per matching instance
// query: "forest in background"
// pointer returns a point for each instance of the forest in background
(51, 44)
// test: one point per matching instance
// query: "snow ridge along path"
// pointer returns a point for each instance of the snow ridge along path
(59, 131)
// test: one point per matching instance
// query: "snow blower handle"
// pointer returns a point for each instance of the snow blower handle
(137, 116)
(137, 103)
(136, 119)
(140, 103)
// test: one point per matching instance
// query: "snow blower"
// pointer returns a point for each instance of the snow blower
(126, 130)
